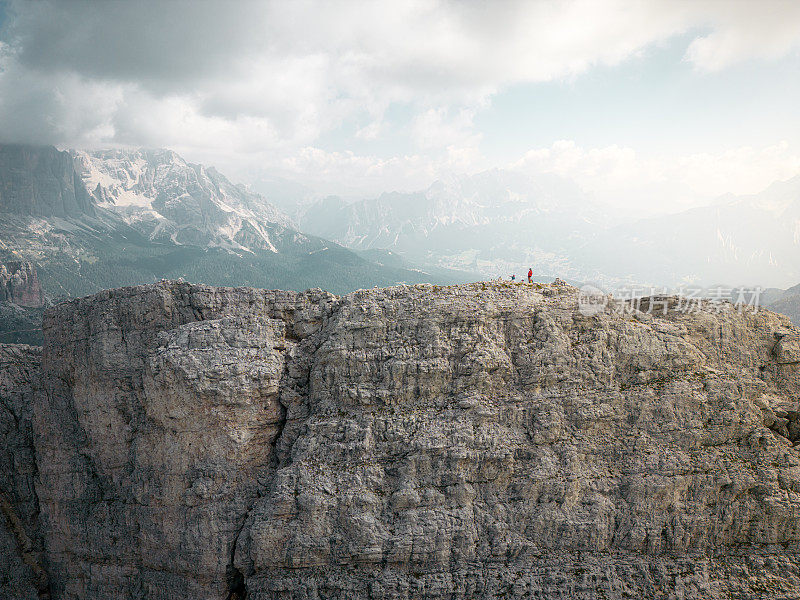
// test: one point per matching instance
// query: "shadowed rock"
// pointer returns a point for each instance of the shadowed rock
(22, 572)
(41, 181)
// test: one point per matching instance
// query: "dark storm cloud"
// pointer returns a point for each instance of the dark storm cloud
(166, 45)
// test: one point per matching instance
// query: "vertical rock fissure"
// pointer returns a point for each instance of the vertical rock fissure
(44, 582)
(237, 588)
(236, 583)
(236, 580)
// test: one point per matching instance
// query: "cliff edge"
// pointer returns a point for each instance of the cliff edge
(474, 441)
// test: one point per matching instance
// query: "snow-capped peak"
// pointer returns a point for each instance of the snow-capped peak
(166, 197)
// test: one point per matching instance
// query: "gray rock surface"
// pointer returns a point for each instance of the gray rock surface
(19, 284)
(478, 441)
(41, 181)
(22, 303)
(22, 574)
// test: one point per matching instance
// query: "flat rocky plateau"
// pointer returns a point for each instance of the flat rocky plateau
(176, 441)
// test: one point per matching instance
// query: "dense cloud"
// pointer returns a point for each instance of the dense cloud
(225, 78)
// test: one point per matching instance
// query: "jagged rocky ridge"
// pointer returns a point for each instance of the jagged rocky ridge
(22, 303)
(171, 200)
(478, 441)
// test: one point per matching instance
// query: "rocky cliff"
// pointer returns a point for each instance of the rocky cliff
(22, 303)
(478, 441)
(22, 576)
(20, 285)
(41, 181)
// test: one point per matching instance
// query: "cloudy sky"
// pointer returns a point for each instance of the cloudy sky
(664, 103)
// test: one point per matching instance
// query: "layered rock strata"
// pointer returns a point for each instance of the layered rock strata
(478, 441)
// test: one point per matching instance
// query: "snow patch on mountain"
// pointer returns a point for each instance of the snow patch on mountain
(168, 198)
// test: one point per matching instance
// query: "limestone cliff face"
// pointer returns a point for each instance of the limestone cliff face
(479, 441)
(20, 285)
(41, 181)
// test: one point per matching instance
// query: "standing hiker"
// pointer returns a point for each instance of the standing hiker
(530, 275)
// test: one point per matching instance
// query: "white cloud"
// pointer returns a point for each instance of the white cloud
(371, 131)
(281, 74)
(443, 128)
(744, 170)
(622, 177)
(350, 174)
(746, 30)
(252, 87)
(619, 177)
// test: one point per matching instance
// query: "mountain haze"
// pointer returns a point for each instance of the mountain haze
(491, 222)
(498, 222)
(740, 240)
(788, 303)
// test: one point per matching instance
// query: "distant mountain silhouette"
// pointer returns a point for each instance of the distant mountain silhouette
(91, 221)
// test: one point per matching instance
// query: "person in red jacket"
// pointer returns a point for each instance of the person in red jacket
(530, 274)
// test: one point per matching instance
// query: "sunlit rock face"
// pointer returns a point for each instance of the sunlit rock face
(479, 441)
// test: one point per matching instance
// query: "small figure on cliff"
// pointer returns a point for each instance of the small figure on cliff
(513, 277)
(530, 275)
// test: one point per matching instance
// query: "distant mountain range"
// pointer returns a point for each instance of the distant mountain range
(786, 302)
(170, 200)
(94, 220)
(500, 222)
(90, 221)
(495, 222)
(741, 240)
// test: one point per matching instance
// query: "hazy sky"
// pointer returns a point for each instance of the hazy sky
(665, 102)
